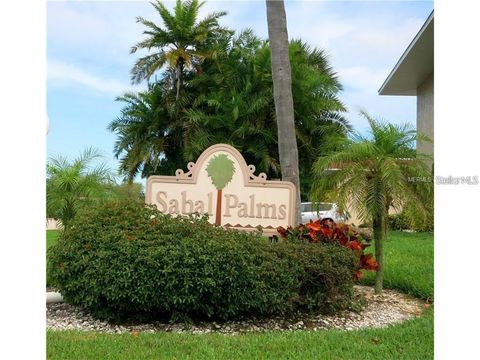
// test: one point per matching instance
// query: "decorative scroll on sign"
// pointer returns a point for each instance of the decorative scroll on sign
(221, 185)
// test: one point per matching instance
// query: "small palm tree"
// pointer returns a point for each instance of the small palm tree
(375, 173)
(71, 185)
(183, 43)
(220, 169)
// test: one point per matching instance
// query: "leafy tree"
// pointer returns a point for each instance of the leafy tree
(282, 94)
(220, 169)
(71, 185)
(375, 173)
(184, 42)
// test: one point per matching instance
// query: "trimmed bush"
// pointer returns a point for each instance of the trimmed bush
(126, 259)
(418, 223)
(398, 222)
(408, 220)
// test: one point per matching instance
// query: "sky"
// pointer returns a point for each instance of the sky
(88, 60)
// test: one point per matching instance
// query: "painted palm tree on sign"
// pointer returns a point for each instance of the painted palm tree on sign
(220, 169)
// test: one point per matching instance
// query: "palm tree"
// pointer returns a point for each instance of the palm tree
(183, 43)
(282, 94)
(231, 101)
(149, 134)
(71, 185)
(234, 104)
(220, 169)
(318, 111)
(375, 173)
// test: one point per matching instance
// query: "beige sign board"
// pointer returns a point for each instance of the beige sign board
(221, 185)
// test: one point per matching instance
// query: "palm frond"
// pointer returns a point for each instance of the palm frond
(146, 66)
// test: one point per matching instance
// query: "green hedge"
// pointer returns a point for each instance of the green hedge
(398, 222)
(121, 259)
(406, 221)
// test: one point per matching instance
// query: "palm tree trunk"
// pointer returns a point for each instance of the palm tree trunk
(282, 93)
(378, 233)
(218, 213)
(179, 76)
(387, 209)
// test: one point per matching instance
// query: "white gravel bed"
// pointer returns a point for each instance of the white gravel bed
(390, 307)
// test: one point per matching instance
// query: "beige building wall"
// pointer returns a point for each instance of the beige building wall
(52, 224)
(425, 114)
(355, 219)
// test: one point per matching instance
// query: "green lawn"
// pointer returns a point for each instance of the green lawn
(52, 236)
(408, 263)
(409, 267)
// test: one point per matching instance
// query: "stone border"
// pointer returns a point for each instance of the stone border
(391, 307)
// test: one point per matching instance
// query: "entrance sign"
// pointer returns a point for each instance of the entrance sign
(221, 185)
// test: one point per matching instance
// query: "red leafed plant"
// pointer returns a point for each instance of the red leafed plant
(327, 231)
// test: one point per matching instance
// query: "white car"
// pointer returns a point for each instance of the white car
(320, 211)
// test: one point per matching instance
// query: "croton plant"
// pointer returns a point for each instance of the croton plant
(327, 231)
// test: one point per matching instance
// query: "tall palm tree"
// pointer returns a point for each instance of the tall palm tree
(71, 185)
(184, 42)
(282, 94)
(375, 173)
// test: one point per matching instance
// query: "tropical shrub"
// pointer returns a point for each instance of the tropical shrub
(72, 185)
(328, 232)
(365, 233)
(408, 221)
(398, 222)
(418, 223)
(76, 184)
(125, 259)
